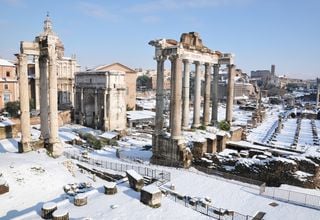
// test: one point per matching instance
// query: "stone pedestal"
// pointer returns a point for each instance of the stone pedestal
(48, 209)
(110, 188)
(80, 199)
(151, 196)
(60, 214)
(136, 181)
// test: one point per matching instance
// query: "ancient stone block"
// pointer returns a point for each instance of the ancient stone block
(135, 180)
(151, 196)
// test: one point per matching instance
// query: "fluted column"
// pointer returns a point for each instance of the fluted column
(318, 92)
(159, 95)
(197, 96)
(81, 114)
(44, 124)
(206, 107)
(186, 94)
(95, 119)
(230, 93)
(215, 84)
(24, 145)
(54, 142)
(176, 89)
(37, 84)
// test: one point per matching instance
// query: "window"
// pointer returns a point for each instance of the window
(6, 86)
(6, 98)
(8, 74)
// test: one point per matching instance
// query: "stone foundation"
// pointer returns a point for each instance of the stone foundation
(170, 152)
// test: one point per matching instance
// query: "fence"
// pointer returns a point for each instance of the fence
(298, 198)
(160, 175)
(205, 208)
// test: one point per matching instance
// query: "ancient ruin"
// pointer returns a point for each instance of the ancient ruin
(318, 93)
(45, 50)
(190, 50)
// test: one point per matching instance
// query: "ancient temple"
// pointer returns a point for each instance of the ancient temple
(190, 50)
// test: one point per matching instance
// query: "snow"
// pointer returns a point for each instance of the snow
(109, 135)
(4, 62)
(35, 179)
(139, 115)
(152, 189)
(134, 175)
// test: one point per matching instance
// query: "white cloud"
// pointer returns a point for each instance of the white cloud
(158, 5)
(96, 11)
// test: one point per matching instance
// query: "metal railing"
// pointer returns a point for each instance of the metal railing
(161, 176)
(205, 208)
(298, 198)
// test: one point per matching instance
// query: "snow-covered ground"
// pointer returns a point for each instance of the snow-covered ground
(35, 178)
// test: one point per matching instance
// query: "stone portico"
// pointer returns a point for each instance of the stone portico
(189, 51)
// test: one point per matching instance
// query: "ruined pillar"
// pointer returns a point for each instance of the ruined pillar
(37, 84)
(81, 114)
(230, 93)
(24, 145)
(186, 94)
(54, 144)
(215, 84)
(95, 119)
(105, 111)
(176, 85)
(206, 106)
(197, 96)
(318, 92)
(159, 95)
(44, 123)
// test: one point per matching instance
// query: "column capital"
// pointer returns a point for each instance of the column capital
(231, 65)
(208, 65)
(186, 61)
(160, 58)
(174, 57)
(216, 65)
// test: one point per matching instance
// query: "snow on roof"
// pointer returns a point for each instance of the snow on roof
(109, 134)
(4, 62)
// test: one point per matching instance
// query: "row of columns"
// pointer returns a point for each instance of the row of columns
(48, 111)
(180, 95)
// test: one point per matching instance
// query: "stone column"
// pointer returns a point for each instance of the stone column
(159, 121)
(230, 93)
(176, 85)
(44, 123)
(37, 84)
(24, 145)
(206, 107)
(215, 84)
(95, 108)
(318, 92)
(197, 96)
(81, 114)
(173, 67)
(186, 94)
(105, 111)
(55, 145)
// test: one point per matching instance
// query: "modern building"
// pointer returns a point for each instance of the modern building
(130, 81)
(100, 99)
(66, 67)
(8, 83)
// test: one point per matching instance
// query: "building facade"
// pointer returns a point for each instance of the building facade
(100, 100)
(130, 81)
(8, 83)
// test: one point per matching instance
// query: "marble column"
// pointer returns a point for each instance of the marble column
(24, 145)
(207, 84)
(37, 84)
(54, 142)
(215, 84)
(186, 95)
(105, 111)
(197, 96)
(81, 114)
(318, 92)
(230, 93)
(159, 121)
(95, 108)
(173, 67)
(44, 124)
(176, 98)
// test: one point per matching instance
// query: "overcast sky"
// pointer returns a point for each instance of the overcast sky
(259, 32)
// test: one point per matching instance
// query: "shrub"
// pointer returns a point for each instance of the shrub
(224, 125)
